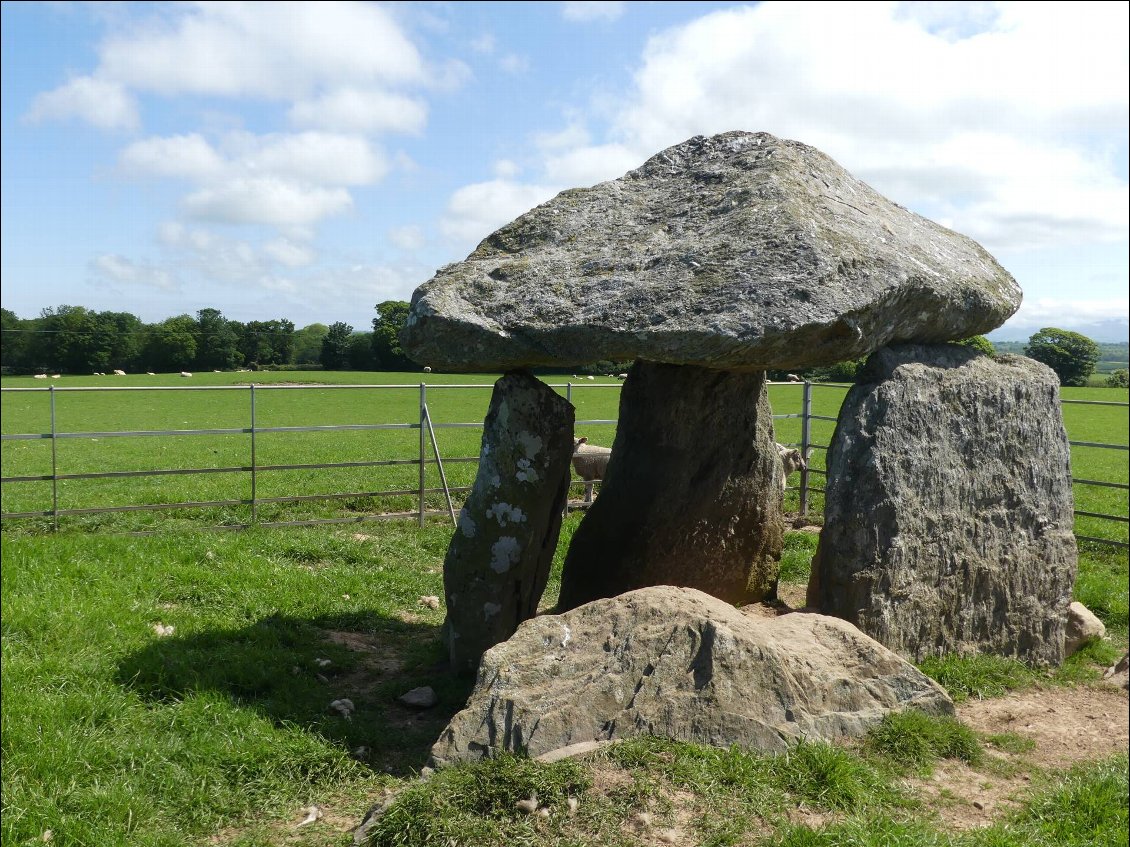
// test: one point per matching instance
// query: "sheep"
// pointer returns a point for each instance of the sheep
(185, 374)
(590, 462)
(54, 376)
(791, 460)
(794, 378)
(621, 376)
(427, 369)
(119, 372)
(40, 376)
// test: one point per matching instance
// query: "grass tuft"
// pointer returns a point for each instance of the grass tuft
(917, 740)
(979, 677)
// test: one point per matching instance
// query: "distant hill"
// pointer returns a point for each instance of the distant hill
(1112, 356)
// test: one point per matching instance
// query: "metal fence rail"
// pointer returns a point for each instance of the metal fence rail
(427, 436)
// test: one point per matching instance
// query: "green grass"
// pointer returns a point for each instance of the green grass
(917, 740)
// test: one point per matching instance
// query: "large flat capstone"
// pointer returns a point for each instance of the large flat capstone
(741, 251)
(948, 517)
(678, 663)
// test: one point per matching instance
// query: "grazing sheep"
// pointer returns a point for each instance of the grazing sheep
(185, 374)
(590, 462)
(119, 373)
(621, 376)
(40, 376)
(794, 378)
(427, 370)
(791, 460)
(54, 376)
(150, 373)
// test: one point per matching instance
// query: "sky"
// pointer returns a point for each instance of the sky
(310, 160)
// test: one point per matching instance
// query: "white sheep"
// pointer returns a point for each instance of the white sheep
(185, 374)
(791, 460)
(590, 462)
(119, 372)
(427, 369)
(40, 376)
(794, 378)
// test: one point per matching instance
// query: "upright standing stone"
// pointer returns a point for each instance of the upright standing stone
(948, 518)
(498, 562)
(692, 494)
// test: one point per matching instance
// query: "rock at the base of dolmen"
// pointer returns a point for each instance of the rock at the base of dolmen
(1082, 626)
(741, 251)
(499, 558)
(691, 495)
(948, 517)
(677, 663)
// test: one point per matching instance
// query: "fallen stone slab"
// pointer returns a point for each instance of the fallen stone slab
(678, 663)
(741, 251)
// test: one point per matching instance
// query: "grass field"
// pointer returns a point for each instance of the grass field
(230, 408)
(218, 732)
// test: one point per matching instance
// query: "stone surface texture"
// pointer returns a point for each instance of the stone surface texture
(741, 251)
(677, 663)
(692, 493)
(948, 521)
(1082, 626)
(499, 558)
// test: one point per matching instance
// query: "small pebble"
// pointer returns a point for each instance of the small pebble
(528, 806)
(977, 804)
(572, 804)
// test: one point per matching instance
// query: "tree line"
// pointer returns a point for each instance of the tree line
(77, 340)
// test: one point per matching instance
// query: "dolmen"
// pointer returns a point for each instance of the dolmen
(948, 516)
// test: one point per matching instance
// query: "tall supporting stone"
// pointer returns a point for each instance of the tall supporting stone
(499, 558)
(692, 493)
(948, 518)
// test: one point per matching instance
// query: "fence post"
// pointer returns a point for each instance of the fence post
(54, 465)
(423, 443)
(254, 503)
(569, 392)
(805, 440)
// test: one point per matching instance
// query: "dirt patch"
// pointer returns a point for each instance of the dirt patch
(1065, 725)
(378, 657)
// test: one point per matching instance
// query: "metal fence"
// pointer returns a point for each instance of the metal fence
(427, 436)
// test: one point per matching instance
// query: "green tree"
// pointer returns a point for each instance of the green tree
(15, 341)
(170, 346)
(360, 352)
(980, 342)
(217, 341)
(335, 347)
(1119, 379)
(308, 344)
(267, 342)
(1072, 356)
(388, 355)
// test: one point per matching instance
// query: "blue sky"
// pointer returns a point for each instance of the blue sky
(307, 161)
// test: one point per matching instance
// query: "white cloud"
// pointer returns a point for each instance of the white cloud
(104, 104)
(286, 252)
(358, 110)
(1102, 319)
(278, 50)
(506, 169)
(114, 268)
(316, 157)
(266, 200)
(407, 237)
(513, 63)
(586, 166)
(187, 156)
(988, 129)
(591, 10)
(475, 211)
(484, 43)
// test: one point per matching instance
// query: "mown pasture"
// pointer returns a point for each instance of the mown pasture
(280, 402)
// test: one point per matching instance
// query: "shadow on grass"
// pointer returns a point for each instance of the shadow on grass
(290, 669)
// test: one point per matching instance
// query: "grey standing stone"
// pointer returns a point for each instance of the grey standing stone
(500, 554)
(948, 524)
(691, 496)
(741, 251)
(677, 663)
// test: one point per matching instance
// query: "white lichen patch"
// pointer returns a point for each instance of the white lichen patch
(467, 524)
(526, 472)
(567, 637)
(490, 610)
(531, 444)
(504, 553)
(504, 513)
